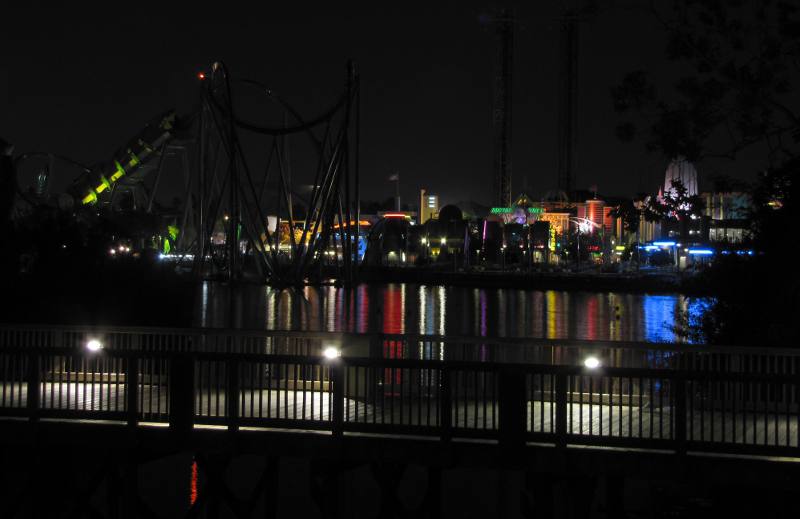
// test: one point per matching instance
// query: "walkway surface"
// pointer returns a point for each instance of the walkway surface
(621, 419)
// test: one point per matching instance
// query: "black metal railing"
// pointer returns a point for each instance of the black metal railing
(683, 357)
(511, 403)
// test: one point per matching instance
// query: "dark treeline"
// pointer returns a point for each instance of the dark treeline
(737, 96)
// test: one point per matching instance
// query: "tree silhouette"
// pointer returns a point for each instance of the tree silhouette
(676, 204)
(738, 94)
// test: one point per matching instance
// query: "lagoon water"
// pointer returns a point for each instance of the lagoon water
(411, 308)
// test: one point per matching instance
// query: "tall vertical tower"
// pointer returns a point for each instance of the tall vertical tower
(501, 114)
(567, 101)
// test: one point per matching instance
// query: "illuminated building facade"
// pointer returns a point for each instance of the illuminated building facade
(728, 216)
(592, 210)
(684, 171)
(428, 206)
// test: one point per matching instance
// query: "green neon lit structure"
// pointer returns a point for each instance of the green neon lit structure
(509, 210)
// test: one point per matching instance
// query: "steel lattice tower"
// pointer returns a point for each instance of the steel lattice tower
(567, 105)
(501, 115)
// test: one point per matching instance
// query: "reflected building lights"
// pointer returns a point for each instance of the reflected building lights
(204, 305)
(502, 313)
(591, 318)
(442, 302)
(551, 311)
(332, 309)
(480, 312)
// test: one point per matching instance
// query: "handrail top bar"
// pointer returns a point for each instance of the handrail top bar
(433, 364)
(411, 337)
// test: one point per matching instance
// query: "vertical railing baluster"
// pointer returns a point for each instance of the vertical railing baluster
(181, 392)
(445, 404)
(232, 392)
(679, 413)
(34, 386)
(132, 388)
(561, 409)
(337, 375)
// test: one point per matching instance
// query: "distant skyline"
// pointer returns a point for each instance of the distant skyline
(81, 82)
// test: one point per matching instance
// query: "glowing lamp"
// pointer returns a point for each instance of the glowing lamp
(201, 76)
(331, 352)
(94, 345)
(664, 243)
(592, 362)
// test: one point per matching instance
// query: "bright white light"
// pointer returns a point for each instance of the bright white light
(592, 362)
(331, 352)
(94, 345)
(444, 241)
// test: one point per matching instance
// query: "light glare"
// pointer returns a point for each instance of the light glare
(592, 362)
(332, 352)
(94, 345)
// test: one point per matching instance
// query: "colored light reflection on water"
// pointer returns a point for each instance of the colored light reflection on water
(408, 308)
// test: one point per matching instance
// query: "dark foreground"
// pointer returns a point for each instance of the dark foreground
(93, 470)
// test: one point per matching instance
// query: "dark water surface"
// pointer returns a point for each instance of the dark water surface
(411, 308)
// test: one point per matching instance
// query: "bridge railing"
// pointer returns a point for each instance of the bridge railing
(686, 357)
(446, 400)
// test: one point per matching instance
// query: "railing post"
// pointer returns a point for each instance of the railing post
(34, 383)
(132, 389)
(561, 409)
(376, 346)
(337, 368)
(513, 407)
(232, 393)
(679, 410)
(181, 393)
(445, 404)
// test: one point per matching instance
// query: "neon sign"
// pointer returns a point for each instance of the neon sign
(510, 210)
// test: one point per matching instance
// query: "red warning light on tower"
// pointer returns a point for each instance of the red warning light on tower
(201, 76)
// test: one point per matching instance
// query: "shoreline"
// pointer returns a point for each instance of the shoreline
(650, 282)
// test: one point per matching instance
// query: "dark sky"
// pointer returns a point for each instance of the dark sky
(81, 82)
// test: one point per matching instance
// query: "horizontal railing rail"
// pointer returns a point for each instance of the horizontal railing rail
(511, 403)
(410, 346)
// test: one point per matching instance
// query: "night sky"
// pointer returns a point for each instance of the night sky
(81, 82)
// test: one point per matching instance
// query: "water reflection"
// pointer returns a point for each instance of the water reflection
(401, 308)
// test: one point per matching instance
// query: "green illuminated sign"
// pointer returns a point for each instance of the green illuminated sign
(509, 210)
